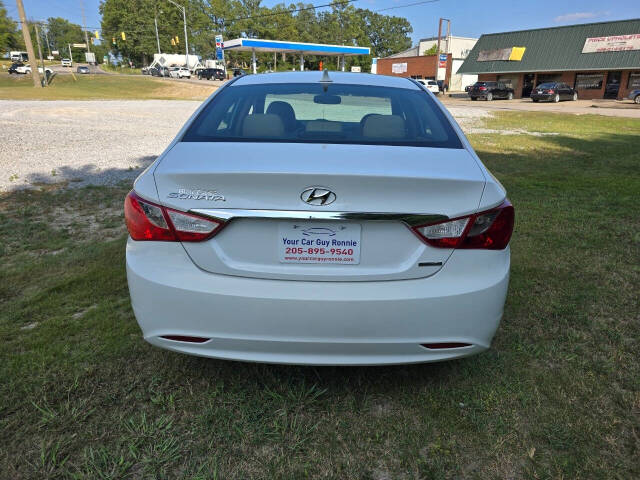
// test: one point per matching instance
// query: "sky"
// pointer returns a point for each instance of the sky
(469, 18)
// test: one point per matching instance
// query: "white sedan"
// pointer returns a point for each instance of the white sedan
(430, 85)
(179, 72)
(27, 69)
(332, 219)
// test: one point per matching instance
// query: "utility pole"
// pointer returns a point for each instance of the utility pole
(27, 41)
(46, 36)
(84, 27)
(440, 33)
(186, 39)
(44, 70)
(155, 18)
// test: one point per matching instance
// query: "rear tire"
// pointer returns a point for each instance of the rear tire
(556, 99)
(575, 96)
(637, 100)
(489, 97)
(510, 96)
(476, 98)
(535, 100)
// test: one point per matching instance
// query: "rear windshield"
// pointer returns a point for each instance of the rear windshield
(311, 113)
(484, 84)
(547, 85)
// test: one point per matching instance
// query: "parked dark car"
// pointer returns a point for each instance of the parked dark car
(553, 92)
(14, 66)
(490, 90)
(238, 72)
(211, 74)
(162, 72)
(635, 96)
(153, 71)
(83, 69)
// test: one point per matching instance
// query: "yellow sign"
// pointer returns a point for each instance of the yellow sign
(517, 53)
(124, 37)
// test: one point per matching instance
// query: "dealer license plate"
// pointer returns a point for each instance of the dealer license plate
(313, 242)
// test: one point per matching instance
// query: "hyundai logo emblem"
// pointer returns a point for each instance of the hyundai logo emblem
(318, 196)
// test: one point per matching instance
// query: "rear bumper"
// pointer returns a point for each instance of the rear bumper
(542, 97)
(319, 323)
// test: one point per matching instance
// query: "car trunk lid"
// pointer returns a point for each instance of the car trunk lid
(259, 187)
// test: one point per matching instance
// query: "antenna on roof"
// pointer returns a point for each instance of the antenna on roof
(325, 80)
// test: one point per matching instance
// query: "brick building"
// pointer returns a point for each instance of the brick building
(422, 67)
(600, 60)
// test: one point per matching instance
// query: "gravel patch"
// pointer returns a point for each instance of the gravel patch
(100, 142)
(84, 142)
(468, 118)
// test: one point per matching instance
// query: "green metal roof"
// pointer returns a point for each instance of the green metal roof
(555, 49)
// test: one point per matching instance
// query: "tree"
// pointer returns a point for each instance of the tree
(432, 51)
(9, 35)
(387, 35)
(342, 24)
(61, 33)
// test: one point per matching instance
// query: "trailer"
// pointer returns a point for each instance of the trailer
(17, 56)
(175, 60)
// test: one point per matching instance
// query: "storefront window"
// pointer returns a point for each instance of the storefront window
(591, 81)
(510, 81)
(634, 80)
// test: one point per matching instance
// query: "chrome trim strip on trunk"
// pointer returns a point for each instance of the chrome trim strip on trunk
(411, 219)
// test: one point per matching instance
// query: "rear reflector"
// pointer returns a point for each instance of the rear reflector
(489, 230)
(182, 338)
(149, 221)
(437, 346)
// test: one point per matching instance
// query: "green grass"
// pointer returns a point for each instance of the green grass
(124, 70)
(100, 87)
(558, 395)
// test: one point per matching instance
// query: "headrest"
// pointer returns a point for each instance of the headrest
(261, 125)
(285, 112)
(384, 126)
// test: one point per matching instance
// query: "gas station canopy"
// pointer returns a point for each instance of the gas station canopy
(254, 45)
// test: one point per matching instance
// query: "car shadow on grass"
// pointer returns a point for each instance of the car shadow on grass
(81, 176)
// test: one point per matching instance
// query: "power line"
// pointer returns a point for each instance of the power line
(273, 14)
(406, 5)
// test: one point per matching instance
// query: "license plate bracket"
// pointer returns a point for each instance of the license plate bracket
(328, 243)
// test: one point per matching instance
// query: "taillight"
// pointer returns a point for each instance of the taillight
(488, 230)
(550, 90)
(149, 221)
(482, 88)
